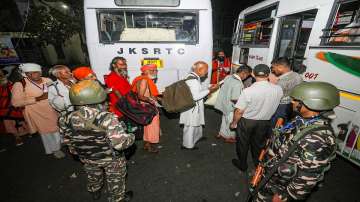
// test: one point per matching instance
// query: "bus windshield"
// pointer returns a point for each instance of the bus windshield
(148, 26)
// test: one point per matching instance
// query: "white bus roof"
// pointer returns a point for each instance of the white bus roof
(287, 7)
(184, 4)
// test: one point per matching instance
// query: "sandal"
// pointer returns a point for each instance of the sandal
(230, 140)
(148, 147)
(153, 150)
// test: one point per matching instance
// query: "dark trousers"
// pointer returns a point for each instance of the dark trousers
(253, 134)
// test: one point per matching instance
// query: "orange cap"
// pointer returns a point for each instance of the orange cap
(148, 67)
(82, 72)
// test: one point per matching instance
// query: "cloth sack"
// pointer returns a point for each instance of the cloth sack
(212, 98)
(140, 112)
(177, 97)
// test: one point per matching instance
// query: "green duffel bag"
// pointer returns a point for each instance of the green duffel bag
(177, 97)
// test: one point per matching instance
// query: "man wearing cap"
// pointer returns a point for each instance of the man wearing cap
(252, 115)
(117, 80)
(147, 91)
(32, 94)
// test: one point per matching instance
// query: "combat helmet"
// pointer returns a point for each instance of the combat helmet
(317, 96)
(87, 92)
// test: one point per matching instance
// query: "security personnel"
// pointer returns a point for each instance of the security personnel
(299, 173)
(97, 137)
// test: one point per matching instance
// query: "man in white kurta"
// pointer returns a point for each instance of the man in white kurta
(59, 90)
(228, 95)
(193, 119)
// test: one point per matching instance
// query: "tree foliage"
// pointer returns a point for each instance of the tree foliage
(48, 23)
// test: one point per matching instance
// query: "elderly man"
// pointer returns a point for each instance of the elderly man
(144, 85)
(59, 90)
(254, 109)
(228, 95)
(287, 80)
(32, 94)
(193, 119)
(117, 80)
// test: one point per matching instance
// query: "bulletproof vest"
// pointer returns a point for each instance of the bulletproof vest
(91, 145)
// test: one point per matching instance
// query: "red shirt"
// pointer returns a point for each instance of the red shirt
(5, 103)
(116, 83)
(215, 67)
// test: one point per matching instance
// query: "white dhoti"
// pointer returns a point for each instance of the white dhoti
(191, 134)
(225, 126)
(51, 142)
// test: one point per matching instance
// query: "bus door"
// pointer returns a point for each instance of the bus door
(294, 35)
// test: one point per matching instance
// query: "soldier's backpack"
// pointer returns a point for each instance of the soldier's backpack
(177, 97)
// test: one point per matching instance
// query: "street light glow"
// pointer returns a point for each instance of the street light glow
(64, 6)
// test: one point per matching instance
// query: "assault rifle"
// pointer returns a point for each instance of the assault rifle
(259, 171)
(265, 177)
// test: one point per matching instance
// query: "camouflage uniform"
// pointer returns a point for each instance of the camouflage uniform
(99, 149)
(305, 167)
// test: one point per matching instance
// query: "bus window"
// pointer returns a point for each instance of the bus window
(144, 26)
(345, 25)
(147, 2)
(257, 27)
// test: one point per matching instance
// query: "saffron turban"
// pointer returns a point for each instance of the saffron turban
(148, 67)
(82, 72)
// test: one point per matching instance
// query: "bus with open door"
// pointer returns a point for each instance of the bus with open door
(322, 40)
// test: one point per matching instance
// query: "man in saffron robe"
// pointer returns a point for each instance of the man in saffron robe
(144, 85)
(117, 80)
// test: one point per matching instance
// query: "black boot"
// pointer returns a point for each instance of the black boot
(96, 195)
(128, 196)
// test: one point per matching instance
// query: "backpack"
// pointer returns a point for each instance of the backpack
(177, 97)
(140, 112)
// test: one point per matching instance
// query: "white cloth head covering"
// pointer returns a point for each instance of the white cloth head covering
(30, 67)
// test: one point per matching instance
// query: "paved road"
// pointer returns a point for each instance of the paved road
(174, 175)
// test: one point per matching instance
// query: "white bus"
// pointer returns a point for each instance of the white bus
(321, 37)
(170, 33)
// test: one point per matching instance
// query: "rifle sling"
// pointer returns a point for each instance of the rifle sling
(297, 139)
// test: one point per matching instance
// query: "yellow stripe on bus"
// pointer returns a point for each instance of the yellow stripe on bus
(350, 96)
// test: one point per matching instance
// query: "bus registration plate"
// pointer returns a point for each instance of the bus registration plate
(157, 61)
